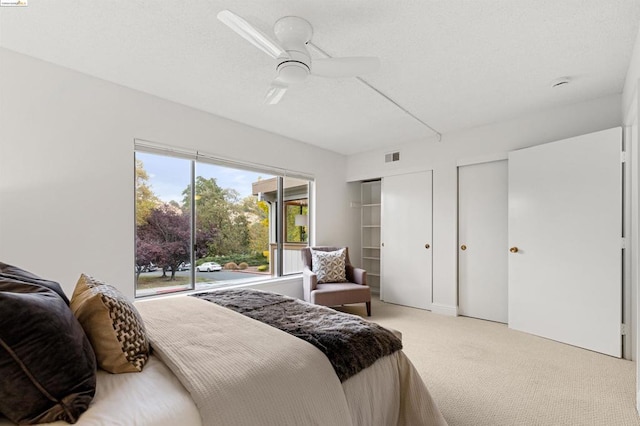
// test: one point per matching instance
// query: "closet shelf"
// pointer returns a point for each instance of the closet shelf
(371, 227)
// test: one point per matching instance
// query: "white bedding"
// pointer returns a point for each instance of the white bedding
(240, 371)
(153, 397)
(243, 372)
(390, 392)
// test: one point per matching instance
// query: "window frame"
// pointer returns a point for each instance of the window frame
(280, 234)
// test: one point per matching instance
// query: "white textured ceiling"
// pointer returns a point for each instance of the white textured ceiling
(453, 64)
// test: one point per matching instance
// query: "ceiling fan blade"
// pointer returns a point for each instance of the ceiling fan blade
(344, 67)
(275, 93)
(252, 34)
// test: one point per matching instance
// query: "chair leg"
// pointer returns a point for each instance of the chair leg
(368, 309)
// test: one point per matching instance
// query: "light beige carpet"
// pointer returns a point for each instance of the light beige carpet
(483, 373)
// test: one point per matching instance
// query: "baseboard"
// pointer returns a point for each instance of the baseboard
(638, 402)
(451, 311)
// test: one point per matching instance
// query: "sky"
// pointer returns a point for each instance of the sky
(169, 176)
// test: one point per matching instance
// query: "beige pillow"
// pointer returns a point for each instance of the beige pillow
(112, 324)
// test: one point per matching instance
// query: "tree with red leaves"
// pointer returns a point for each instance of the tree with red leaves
(165, 238)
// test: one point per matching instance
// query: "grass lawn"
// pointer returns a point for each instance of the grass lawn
(149, 282)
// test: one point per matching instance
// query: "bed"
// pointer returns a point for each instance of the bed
(213, 365)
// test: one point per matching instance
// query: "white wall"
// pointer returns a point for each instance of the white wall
(67, 169)
(481, 142)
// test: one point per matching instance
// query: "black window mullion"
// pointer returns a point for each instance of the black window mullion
(192, 255)
(280, 231)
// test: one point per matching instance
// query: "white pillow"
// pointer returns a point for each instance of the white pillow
(329, 266)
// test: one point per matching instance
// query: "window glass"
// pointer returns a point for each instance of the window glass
(296, 223)
(232, 226)
(201, 225)
(163, 224)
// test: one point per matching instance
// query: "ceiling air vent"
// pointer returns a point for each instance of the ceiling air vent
(391, 157)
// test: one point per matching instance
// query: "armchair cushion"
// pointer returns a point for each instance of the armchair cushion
(329, 266)
(340, 294)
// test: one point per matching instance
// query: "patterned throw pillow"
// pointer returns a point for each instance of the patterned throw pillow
(113, 325)
(329, 266)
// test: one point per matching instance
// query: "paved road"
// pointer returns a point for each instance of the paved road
(213, 276)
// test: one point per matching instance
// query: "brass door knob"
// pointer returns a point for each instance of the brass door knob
(463, 247)
(427, 246)
(513, 249)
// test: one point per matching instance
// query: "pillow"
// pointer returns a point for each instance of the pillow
(329, 266)
(13, 272)
(113, 325)
(47, 365)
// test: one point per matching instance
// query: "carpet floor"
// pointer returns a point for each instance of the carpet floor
(482, 373)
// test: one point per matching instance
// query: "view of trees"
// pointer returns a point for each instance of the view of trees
(146, 200)
(295, 233)
(225, 224)
(165, 238)
(220, 209)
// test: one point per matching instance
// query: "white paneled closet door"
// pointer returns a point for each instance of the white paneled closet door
(565, 229)
(482, 240)
(406, 253)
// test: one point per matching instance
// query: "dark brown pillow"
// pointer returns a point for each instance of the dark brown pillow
(47, 365)
(13, 272)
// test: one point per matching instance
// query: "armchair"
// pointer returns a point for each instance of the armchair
(355, 290)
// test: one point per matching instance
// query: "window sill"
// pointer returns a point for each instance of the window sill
(290, 285)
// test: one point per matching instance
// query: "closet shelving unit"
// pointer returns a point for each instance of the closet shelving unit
(371, 202)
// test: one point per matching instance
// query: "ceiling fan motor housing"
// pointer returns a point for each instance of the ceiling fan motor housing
(293, 33)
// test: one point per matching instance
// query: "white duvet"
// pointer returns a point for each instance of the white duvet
(242, 372)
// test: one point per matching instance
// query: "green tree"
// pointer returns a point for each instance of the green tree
(219, 208)
(146, 200)
(257, 213)
(295, 234)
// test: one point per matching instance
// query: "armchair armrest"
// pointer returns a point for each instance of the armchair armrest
(356, 275)
(309, 283)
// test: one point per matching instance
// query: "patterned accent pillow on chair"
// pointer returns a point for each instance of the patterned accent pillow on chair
(112, 324)
(329, 266)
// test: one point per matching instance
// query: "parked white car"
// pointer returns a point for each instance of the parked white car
(209, 267)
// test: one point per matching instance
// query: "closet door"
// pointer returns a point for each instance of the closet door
(406, 253)
(565, 227)
(482, 241)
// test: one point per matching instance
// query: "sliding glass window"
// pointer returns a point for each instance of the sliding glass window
(204, 223)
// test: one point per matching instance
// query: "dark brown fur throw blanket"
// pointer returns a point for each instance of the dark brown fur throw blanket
(351, 343)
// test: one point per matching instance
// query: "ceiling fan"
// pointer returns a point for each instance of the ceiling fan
(293, 61)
